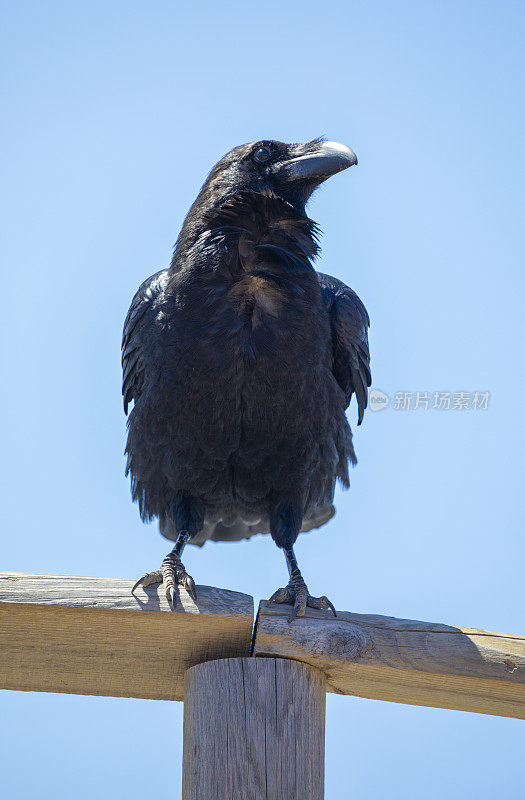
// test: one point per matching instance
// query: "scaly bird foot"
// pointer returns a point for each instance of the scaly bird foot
(172, 573)
(296, 594)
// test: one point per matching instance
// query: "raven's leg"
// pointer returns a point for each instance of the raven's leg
(188, 519)
(284, 529)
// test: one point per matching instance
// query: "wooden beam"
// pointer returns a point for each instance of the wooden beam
(253, 730)
(87, 636)
(405, 661)
(92, 636)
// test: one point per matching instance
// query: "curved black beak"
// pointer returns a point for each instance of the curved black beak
(322, 160)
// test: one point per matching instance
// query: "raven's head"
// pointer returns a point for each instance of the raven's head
(289, 171)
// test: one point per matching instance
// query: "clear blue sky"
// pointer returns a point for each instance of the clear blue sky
(114, 112)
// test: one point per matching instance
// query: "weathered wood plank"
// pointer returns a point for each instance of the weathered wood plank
(87, 635)
(402, 660)
(253, 730)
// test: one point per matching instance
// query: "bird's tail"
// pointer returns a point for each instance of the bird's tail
(219, 532)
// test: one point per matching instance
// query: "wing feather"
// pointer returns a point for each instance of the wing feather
(351, 355)
(133, 337)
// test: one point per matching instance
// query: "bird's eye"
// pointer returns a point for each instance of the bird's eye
(262, 154)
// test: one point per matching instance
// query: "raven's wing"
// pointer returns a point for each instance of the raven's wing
(349, 323)
(136, 325)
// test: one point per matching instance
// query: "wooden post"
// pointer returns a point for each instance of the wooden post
(253, 730)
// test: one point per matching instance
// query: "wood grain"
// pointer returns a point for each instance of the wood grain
(253, 730)
(91, 636)
(405, 661)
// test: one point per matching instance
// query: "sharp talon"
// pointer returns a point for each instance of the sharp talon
(148, 578)
(299, 607)
(299, 610)
(170, 596)
(329, 605)
(276, 597)
(189, 585)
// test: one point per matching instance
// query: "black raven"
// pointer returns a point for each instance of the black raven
(241, 360)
